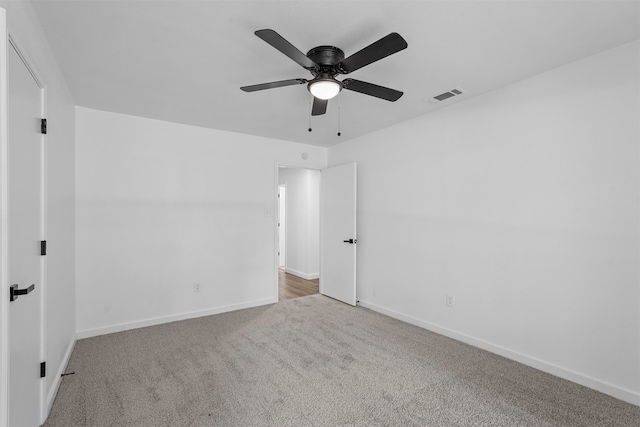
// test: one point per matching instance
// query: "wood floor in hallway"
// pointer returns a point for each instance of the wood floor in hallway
(290, 286)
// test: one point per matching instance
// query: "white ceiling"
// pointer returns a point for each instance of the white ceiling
(184, 61)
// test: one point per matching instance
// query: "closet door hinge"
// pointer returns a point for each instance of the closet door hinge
(43, 247)
(43, 369)
(43, 126)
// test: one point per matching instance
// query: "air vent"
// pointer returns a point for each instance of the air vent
(448, 94)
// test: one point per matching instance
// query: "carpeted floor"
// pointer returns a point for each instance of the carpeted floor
(312, 361)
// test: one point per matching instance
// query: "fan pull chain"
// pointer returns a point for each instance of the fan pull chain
(310, 107)
(339, 98)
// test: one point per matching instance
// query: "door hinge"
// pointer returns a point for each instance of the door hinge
(43, 369)
(43, 247)
(43, 126)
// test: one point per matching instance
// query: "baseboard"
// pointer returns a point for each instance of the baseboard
(621, 393)
(53, 392)
(88, 333)
(302, 275)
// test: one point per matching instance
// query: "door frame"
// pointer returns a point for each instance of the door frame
(4, 224)
(277, 165)
(9, 41)
(282, 225)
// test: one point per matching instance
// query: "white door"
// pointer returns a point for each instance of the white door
(282, 227)
(338, 233)
(25, 234)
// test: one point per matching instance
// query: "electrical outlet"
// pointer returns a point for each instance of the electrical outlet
(451, 300)
(196, 287)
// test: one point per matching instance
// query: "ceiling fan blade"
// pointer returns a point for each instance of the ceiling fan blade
(272, 85)
(371, 89)
(279, 42)
(319, 106)
(384, 47)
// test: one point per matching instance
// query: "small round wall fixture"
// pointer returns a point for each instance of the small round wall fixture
(305, 156)
(324, 88)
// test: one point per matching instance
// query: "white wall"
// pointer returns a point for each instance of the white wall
(303, 221)
(161, 206)
(25, 28)
(523, 203)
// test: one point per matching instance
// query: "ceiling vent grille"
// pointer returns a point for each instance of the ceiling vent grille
(448, 94)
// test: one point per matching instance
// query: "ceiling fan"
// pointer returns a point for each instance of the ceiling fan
(326, 62)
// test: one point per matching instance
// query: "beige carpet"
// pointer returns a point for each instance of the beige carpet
(312, 361)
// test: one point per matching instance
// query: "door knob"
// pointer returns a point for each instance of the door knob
(351, 241)
(14, 291)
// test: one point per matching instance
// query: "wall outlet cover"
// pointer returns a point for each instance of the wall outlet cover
(451, 300)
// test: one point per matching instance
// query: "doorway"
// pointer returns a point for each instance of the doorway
(298, 232)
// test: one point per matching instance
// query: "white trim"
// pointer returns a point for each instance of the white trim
(57, 380)
(567, 374)
(297, 165)
(88, 333)
(25, 59)
(44, 283)
(276, 244)
(302, 275)
(281, 225)
(4, 226)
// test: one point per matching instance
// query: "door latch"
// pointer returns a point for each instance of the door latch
(14, 291)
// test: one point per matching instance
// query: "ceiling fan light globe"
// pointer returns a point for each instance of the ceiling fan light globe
(325, 89)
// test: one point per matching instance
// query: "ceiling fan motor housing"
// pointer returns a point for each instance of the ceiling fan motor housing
(327, 58)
